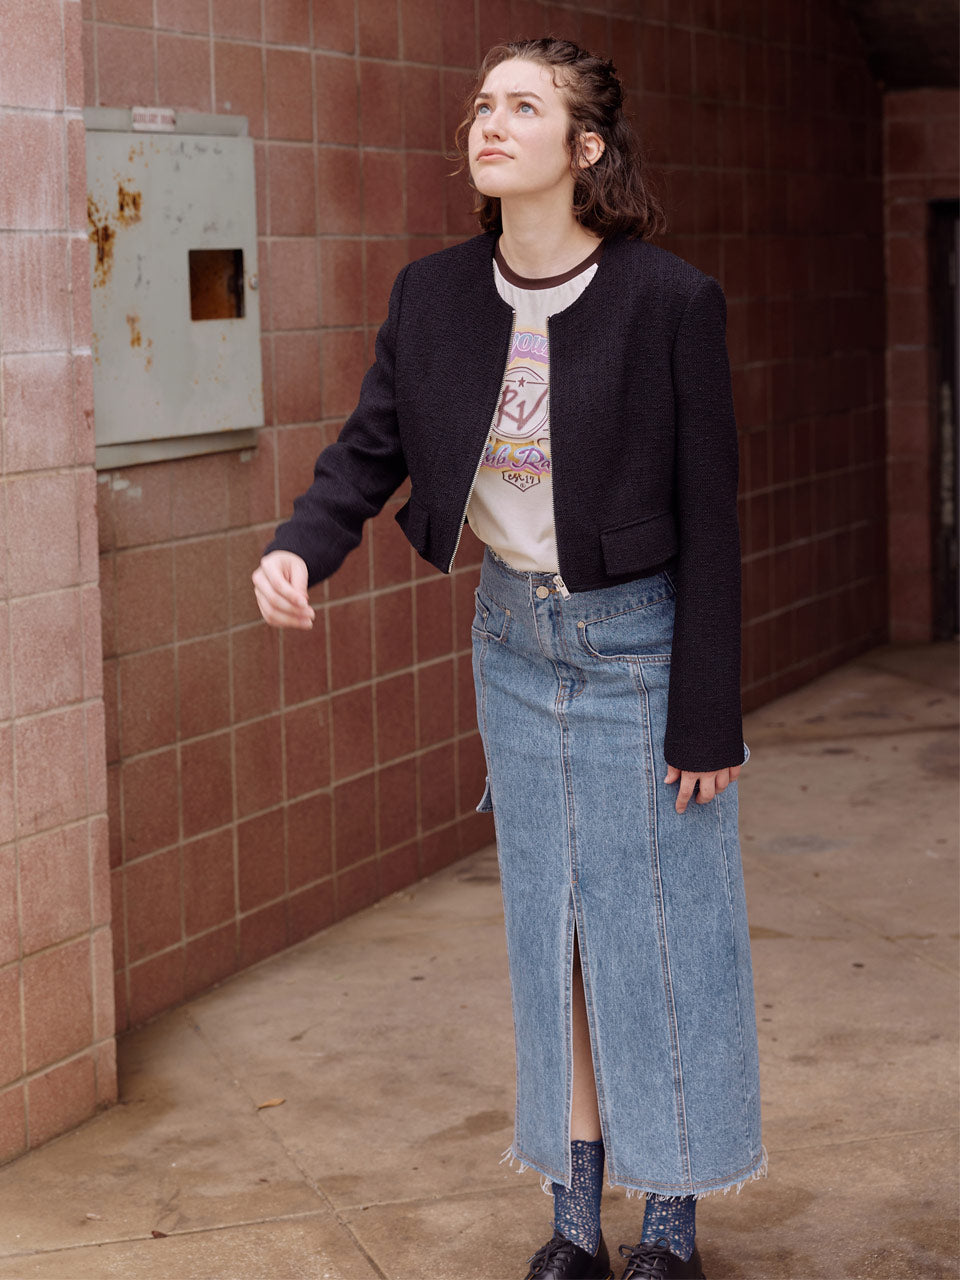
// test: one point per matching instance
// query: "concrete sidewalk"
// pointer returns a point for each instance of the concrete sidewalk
(389, 1039)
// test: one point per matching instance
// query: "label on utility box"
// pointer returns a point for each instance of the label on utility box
(154, 119)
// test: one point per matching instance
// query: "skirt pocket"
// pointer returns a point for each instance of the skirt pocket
(643, 632)
(490, 619)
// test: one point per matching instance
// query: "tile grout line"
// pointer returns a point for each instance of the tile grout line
(848, 917)
(878, 665)
(315, 1187)
(790, 741)
(850, 1142)
(189, 1231)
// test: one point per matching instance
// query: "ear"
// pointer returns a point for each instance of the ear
(589, 150)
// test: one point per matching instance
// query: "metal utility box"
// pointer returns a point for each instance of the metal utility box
(176, 314)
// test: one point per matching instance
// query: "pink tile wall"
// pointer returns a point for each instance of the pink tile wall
(56, 971)
(259, 786)
(921, 163)
(791, 224)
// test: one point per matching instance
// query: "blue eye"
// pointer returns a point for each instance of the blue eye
(525, 106)
(482, 108)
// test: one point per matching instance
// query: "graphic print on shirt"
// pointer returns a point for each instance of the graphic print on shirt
(519, 442)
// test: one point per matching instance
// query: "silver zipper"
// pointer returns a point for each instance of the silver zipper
(473, 482)
(561, 586)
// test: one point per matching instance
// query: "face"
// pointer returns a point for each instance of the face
(518, 139)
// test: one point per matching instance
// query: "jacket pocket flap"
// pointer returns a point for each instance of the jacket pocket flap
(640, 545)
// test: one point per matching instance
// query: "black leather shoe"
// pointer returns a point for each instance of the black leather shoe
(656, 1262)
(561, 1259)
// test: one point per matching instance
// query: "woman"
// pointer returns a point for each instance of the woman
(606, 638)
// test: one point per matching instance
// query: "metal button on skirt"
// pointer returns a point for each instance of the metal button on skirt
(572, 706)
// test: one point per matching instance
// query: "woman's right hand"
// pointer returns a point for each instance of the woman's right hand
(280, 582)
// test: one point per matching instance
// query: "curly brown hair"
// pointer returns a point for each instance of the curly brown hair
(613, 194)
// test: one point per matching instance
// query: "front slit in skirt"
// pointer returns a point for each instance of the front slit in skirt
(572, 708)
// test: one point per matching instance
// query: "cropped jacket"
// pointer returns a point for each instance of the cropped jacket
(643, 442)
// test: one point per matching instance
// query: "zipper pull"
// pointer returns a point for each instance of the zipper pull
(561, 586)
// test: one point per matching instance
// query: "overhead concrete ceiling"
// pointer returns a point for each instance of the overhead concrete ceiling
(910, 44)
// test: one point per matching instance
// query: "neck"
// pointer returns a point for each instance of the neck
(538, 242)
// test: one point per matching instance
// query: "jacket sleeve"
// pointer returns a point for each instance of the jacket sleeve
(356, 474)
(704, 721)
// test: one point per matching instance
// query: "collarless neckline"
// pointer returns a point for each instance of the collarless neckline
(543, 282)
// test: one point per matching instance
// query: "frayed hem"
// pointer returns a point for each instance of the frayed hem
(510, 1158)
(760, 1171)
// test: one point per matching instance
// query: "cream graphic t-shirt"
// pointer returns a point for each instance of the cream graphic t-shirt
(511, 508)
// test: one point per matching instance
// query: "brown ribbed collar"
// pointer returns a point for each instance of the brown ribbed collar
(544, 282)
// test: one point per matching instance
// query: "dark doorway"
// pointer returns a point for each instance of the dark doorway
(945, 304)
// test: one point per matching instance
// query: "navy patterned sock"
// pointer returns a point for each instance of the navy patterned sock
(576, 1210)
(671, 1218)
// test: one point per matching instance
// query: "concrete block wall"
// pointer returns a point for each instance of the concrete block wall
(57, 1051)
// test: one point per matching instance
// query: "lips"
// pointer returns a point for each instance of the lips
(491, 153)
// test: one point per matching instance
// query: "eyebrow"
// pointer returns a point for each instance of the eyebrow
(484, 96)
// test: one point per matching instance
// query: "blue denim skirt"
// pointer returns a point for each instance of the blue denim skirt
(572, 707)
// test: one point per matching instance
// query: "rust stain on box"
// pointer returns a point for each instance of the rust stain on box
(103, 228)
(128, 205)
(101, 236)
(136, 340)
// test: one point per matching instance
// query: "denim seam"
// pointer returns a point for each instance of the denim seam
(576, 691)
(736, 965)
(568, 1015)
(578, 683)
(683, 1144)
(571, 825)
(649, 659)
(560, 631)
(638, 608)
(480, 642)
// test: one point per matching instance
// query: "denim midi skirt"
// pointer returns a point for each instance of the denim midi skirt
(572, 706)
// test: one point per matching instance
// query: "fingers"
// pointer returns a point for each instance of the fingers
(280, 584)
(279, 613)
(688, 782)
(710, 785)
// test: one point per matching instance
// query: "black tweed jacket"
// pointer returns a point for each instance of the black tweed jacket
(643, 442)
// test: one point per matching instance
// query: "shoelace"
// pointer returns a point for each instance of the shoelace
(646, 1261)
(550, 1252)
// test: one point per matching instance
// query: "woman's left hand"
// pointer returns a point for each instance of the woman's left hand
(710, 783)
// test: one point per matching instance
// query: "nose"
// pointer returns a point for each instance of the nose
(491, 125)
